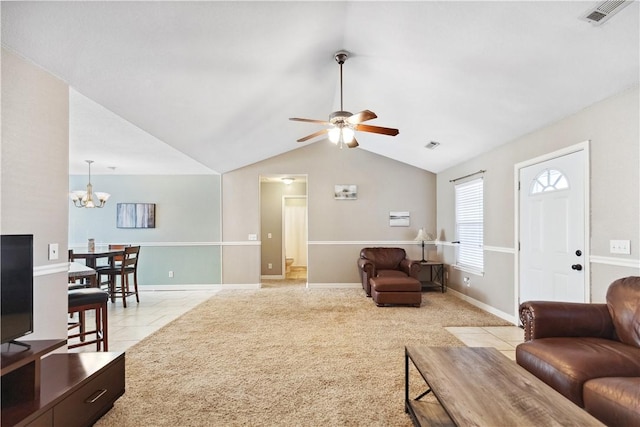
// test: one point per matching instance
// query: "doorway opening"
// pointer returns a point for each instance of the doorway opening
(283, 230)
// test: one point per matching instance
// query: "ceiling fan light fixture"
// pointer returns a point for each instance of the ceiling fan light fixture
(344, 124)
(341, 134)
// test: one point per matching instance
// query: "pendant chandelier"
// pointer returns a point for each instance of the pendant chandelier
(89, 199)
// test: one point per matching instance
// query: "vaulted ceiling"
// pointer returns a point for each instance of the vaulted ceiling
(211, 84)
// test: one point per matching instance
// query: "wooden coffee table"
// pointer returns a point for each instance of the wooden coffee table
(481, 387)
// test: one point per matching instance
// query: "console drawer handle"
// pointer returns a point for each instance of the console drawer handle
(97, 395)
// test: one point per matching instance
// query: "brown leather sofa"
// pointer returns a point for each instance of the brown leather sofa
(389, 277)
(590, 353)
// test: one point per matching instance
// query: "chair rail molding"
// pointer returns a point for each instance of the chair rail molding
(618, 262)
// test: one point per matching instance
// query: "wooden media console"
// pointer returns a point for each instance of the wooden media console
(61, 389)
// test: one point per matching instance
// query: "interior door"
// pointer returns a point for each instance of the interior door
(552, 230)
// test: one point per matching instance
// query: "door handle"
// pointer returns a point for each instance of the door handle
(576, 267)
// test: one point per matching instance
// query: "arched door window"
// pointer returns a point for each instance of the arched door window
(549, 180)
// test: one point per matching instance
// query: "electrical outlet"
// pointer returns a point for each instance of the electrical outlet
(53, 251)
(269, 266)
(171, 273)
(620, 247)
(467, 281)
(268, 235)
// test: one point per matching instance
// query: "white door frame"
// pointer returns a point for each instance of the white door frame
(582, 146)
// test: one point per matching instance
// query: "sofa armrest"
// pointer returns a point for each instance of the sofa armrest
(545, 319)
(410, 268)
(366, 266)
(367, 270)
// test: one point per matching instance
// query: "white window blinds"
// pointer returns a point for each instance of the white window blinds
(470, 225)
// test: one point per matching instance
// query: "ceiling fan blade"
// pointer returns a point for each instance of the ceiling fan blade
(313, 135)
(322, 122)
(353, 144)
(362, 116)
(377, 129)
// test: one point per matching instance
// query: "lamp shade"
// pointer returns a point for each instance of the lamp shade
(347, 135)
(334, 134)
(421, 237)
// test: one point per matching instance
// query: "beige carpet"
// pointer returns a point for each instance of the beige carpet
(284, 357)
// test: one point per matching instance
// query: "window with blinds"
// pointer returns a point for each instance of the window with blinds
(470, 225)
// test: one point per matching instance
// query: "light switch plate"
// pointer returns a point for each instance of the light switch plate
(253, 237)
(53, 251)
(620, 247)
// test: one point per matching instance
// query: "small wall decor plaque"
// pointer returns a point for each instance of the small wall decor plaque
(399, 219)
(136, 215)
(345, 192)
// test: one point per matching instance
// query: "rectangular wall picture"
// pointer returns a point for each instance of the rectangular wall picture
(399, 219)
(136, 215)
(345, 192)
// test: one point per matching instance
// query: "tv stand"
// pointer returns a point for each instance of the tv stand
(62, 389)
(20, 343)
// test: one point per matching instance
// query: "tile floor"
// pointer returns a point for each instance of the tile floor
(503, 338)
(297, 273)
(129, 325)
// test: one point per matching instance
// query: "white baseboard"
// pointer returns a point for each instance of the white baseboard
(485, 307)
(190, 287)
(333, 285)
(241, 286)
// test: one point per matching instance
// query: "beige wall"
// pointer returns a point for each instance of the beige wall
(612, 126)
(35, 165)
(337, 229)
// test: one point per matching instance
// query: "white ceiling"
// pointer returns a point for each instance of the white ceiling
(211, 85)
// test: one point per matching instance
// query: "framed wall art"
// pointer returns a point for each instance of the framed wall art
(345, 192)
(136, 215)
(399, 219)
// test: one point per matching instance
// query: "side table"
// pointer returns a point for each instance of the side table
(437, 277)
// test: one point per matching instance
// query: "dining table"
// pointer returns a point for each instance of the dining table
(91, 256)
(79, 271)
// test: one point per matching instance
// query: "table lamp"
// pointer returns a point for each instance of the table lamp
(422, 237)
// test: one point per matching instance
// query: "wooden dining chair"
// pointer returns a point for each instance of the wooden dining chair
(115, 260)
(118, 281)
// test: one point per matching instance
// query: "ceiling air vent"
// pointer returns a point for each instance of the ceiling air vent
(432, 145)
(604, 11)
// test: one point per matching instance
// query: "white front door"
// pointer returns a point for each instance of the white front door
(552, 230)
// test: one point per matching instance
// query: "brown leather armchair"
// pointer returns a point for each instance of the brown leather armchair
(385, 262)
(588, 352)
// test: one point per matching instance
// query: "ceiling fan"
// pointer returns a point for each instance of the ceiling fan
(343, 124)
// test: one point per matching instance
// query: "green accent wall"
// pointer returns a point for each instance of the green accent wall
(191, 265)
(186, 239)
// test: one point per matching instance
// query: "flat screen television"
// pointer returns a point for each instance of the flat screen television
(16, 286)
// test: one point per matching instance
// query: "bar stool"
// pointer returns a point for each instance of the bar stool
(81, 301)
